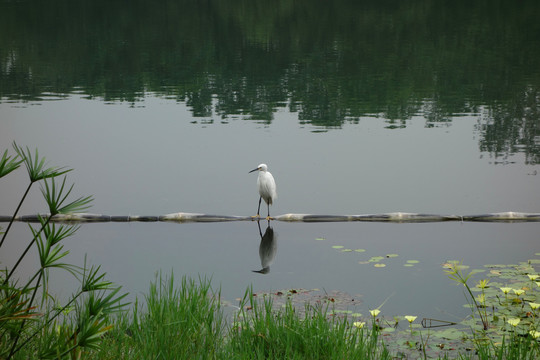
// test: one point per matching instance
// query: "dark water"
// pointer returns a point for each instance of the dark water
(356, 106)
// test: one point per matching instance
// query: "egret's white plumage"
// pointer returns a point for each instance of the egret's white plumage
(267, 187)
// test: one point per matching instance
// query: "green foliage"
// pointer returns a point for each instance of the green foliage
(509, 314)
(177, 321)
(8, 164)
(455, 272)
(180, 322)
(28, 330)
(36, 165)
(56, 198)
(264, 333)
(186, 320)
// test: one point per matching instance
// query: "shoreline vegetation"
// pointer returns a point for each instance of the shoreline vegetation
(190, 320)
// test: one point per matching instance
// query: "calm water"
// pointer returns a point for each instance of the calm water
(356, 108)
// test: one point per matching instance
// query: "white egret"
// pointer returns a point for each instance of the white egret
(267, 187)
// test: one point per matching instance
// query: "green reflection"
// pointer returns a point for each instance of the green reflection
(329, 61)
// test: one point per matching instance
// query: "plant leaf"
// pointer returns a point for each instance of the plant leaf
(7, 164)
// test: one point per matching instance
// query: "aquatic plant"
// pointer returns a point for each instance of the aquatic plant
(261, 331)
(454, 270)
(45, 330)
(509, 327)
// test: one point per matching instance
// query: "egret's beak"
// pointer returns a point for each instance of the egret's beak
(253, 170)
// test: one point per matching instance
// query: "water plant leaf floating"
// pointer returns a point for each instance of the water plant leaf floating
(346, 250)
(360, 250)
(376, 258)
(337, 247)
(320, 239)
(379, 265)
(412, 261)
(408, 265)
(495, 266)
(391, 255)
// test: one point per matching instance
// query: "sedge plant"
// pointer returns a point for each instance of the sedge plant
(31, 328)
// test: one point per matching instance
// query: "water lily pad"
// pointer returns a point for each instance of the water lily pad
(412, 261)
(360, 250)
(346, 250)
(379, 265)
(408, 265)
(320, 239)
(376, 258)
(338, 247)
(391, 255)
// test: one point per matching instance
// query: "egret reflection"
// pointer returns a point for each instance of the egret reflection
(267, 248)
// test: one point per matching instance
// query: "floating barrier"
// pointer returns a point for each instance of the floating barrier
(182, 217)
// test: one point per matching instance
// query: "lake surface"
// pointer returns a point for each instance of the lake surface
(357, 108)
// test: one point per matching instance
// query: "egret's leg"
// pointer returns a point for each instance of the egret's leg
(258, 209)
(268, 217)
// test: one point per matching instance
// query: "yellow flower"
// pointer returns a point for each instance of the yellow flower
(532, 276)
(410, 318)
(506, 290)
(534, 306)
(514, 322)
(359, 324)
(482, 284)
(375, 312)
(518, 291)
(535, 334)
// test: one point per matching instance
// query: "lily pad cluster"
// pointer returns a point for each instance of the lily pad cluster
(505, 303)
(376, 260)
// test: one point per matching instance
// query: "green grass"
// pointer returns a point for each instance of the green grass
(259, 332)
(188, 322)
(176, 322)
